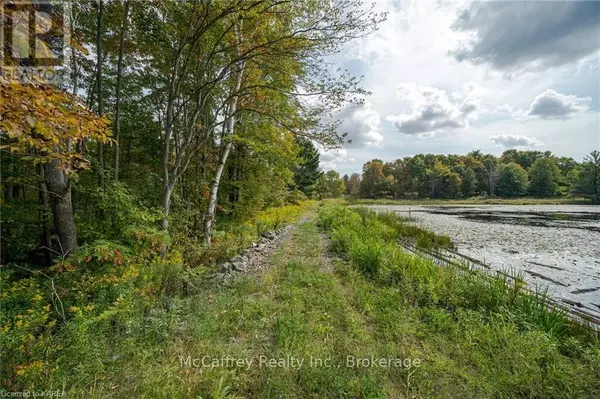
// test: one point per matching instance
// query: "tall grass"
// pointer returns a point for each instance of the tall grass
(368, 240)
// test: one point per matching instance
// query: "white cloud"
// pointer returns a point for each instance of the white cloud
(553, 105)
(332, 159)
(432, 110)
(513, 141)
(362, 126)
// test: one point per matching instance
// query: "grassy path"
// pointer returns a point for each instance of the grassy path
(292, 331)
(300, 309)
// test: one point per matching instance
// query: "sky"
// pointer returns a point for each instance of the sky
(452, 76)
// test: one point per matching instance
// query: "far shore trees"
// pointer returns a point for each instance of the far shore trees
(512, 181)
(514, 174)
(587, 178)
(543, 177)
(329, 185)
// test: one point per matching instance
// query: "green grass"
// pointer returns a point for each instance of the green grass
(474, 201)
(473, 340)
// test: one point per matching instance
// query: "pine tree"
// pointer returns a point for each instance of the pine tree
(307, 172)
(587, 178)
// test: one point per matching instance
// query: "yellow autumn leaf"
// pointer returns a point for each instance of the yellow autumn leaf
(30, 120)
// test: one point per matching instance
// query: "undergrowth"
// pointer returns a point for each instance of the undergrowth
(66, 318)
(474, 337)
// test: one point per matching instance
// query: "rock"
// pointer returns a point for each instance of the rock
(260, 247)
(239, 267)
(220, 277)
(269, 235)
(226, 267)
(237, 259)
(254, 245)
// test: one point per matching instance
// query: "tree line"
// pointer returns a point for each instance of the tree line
(513, 174)
(174, 115)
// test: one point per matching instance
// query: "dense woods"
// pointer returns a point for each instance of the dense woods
(514, 174)
(201, 113)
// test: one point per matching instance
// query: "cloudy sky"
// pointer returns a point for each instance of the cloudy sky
(454, 76)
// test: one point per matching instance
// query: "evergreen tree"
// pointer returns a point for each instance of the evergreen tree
(587, 178)
(346, 179)
(307, 173)
(512, 180)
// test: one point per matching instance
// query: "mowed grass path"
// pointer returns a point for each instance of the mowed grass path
(311, 305)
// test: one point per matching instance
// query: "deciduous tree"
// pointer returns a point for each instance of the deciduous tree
(543, 177)
(512, 180)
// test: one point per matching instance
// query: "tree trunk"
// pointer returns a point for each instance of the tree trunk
(214, 191)
(118, 94)
(45, 202)
(99, 81)
(9, 186)
(168, 190)
(59, 188)
(75, 72)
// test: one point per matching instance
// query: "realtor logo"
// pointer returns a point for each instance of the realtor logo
(33, 38)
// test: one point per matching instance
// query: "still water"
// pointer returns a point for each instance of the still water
(552, 246)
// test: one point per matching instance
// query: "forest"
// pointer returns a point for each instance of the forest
(516, 173)
(180, 115)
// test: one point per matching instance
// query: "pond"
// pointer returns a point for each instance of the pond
(552, 246)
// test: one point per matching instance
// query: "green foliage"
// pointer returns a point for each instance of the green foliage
(371, 177)
(468, 185)
(295, 197)
(353, 184)
(543, 177)
(512, 181)
(525, 159)
(452, 176)
(329, 185)
(307, 172)
(110, 212)
(52, 317)
(443, 182)
(587, 178)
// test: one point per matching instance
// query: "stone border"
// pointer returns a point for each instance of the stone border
(255, 257)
